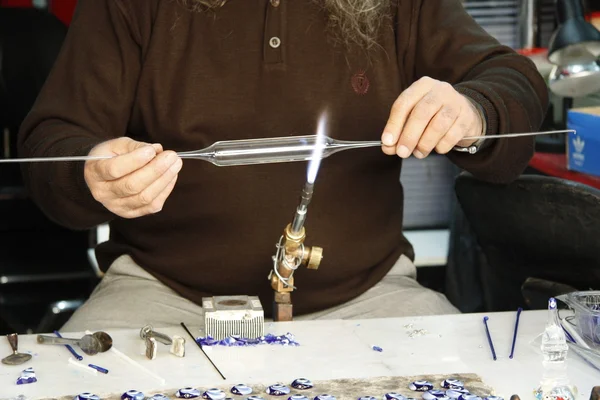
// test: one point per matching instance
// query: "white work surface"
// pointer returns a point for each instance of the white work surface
(328, 350)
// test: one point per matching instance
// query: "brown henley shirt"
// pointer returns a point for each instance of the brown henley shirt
(152, 70)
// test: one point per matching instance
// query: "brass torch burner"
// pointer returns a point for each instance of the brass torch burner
(292, 254)
(300, 216)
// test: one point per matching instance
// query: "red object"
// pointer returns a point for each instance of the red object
(16, 3)
(532, 51)
(556, 165)
(63, 9)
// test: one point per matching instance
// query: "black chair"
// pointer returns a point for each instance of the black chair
(45, 273)
(539, 236)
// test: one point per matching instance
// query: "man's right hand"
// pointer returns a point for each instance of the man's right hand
(136, 181)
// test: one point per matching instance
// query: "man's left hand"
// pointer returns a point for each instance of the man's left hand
(430, 115)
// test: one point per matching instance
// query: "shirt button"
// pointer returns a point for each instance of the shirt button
(275, 3)
(274, 42)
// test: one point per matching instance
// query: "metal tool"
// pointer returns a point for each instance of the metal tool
(98, 342)
(269, 150)
(202, 350)
(15, 358)
(71, 350)
(225, 316)
(291, 252)
(148, 331)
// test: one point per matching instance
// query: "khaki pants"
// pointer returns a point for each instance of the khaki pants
(129, 297)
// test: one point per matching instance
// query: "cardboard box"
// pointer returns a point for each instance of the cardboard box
(583, 147)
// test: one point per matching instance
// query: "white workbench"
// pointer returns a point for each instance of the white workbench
(328, 350)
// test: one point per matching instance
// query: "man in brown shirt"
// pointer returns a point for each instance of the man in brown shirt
(141, 79)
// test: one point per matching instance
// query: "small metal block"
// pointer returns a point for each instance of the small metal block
(178, 346)
(283, 297)
(282, 312)
(151, 348)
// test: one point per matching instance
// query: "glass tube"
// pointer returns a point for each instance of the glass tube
(271, 150)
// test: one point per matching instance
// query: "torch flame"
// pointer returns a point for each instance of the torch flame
(315, 160)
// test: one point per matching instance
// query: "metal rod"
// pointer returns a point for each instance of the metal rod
(514, 135)
(71, 349)
(200, 346)
(191, 155)
(52, 159)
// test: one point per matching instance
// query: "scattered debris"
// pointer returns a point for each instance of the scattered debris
(235, 340)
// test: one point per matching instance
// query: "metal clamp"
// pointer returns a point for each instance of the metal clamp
(147, 332)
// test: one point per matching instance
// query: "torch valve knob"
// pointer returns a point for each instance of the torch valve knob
(316, 255)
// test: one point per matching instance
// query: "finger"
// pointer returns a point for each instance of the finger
(121, 165)
(458, 130)
(156, 206)
(400, 111)
(124, 145)
(142, 178)
(435, 131)
(148, 196)
(417, 122)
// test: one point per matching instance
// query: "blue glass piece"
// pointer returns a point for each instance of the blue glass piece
(188, 393)
(270, 338)
(214, 394)
(27, 376)
(456, 393)
(452, 384)
(241, 389)
(290, 337)
(86, 396)
(420, 386)
(302, 384)
(159, 396)
(228, 341)
(133, 395)
(377, 348)
(367, 398)
(434, 394)
(325, 397)
(236, 340)
(394, 396)
(253, 397)
(467, 396)
(297, 397)
(208, 341)
(278, 390)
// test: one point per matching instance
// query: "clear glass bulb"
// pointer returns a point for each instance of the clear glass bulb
(272, 150)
